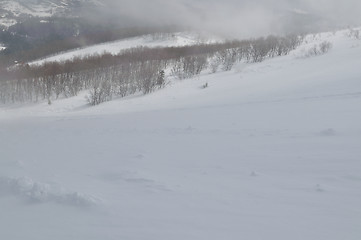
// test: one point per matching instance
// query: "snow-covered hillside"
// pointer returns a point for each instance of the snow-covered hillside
(167, 40)
(11, 10)
(268, 151)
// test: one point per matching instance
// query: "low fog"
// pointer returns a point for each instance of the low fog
(239, 18)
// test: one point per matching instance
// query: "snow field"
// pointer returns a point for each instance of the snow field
(267, 151)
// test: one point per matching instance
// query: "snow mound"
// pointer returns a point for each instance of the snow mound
(37, 192)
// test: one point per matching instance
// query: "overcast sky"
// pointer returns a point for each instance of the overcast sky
(243, 18)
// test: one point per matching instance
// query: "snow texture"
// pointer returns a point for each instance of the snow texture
(40, 192)
(267, 151)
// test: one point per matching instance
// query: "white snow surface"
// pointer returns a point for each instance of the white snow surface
(268, 151)
(6, 22)
(17, 8)
(2, 47)
(115, 47)
(38, 8)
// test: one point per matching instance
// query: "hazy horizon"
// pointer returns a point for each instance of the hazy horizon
(242, 18)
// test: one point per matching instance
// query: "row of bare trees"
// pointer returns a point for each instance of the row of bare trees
(103, 83)
(125, 80)
(137, 70)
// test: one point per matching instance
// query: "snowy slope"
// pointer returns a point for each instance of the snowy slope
(267, 151)
(23, 7)
(11, 10)
(173, 40)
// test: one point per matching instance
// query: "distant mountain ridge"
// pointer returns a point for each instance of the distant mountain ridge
(30, 29)
(11, 12)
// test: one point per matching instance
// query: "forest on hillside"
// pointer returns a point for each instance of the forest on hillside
(137, 70)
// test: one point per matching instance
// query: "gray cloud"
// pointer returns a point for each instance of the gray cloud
(242, 18)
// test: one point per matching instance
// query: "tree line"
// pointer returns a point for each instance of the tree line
(137, 70)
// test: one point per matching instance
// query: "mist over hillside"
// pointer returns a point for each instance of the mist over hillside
(244, 18)
(33, 29)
